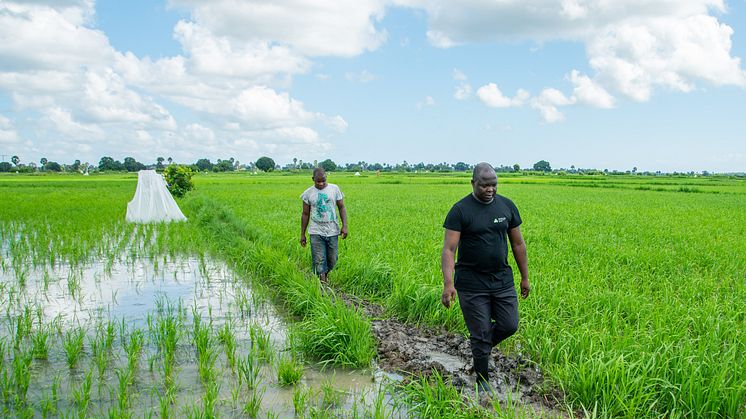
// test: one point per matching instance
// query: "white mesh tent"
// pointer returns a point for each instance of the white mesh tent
(152, 202)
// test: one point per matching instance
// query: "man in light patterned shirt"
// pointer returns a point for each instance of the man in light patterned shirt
(319, 216)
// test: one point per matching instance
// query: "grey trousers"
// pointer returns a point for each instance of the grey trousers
(323, 253)
(491, 317)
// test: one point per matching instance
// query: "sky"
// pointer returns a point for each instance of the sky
(605, 84)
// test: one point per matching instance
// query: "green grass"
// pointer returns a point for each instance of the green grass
(638, 295)
(637, 309)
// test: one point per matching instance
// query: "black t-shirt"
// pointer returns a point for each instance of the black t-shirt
(482, 263)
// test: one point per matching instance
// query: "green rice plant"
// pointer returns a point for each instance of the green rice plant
(124, 380)
(166, 330)
(302, 396)
(206, 353)
(381, 409)
(3, 350)
(335, 335)
(166, 399)
(242, 301)
(100, 354)
(433, 396)
(6, 387)
(21, 376)
(253, 402)
(133, 348)
(289, 371)
(39, 339)
(48, 404)
(24, 323)
(82, 394)
(72, 341)
(330, 397)
(261, 342)
(210, 399)
(109, 333)
(227, 337)
(249, 370)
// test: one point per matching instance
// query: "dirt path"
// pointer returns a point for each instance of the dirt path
(413, 350)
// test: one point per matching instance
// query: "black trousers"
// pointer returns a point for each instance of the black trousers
(491, 317)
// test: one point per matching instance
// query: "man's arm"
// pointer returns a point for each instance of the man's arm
(521, 258)
(305, 215)
(343, 216)
(447, 265)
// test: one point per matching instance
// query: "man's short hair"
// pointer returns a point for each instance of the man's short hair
(319, 171)
(480, 168)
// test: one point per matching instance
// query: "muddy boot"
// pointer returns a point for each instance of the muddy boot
(481, 369)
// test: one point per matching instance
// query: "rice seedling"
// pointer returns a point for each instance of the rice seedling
(166, 399)
(261, 342)
(206, 353)
(253, 402)
(100, 354)
(302, 396)
(82, 394)
(124, 380)
(249, 369)
(39, 339)
(436, 397)
(210, 399)
(133, 348)
(72, 341)
(381, 409)
(330, 396)
(289, 371)
(21, 376)
(48, 405)
(227, 337)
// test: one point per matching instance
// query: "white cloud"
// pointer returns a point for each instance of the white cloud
(109, 100)
(634, 58)
(323, 27)
(63, 122)
(212, 54)
(589, 92)
(89, 96)
(8, 135)
(634, 46)
(548, 101)
(462, 91)
(491, 96)
(40, 38)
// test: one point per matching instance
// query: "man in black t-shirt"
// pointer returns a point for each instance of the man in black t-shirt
(480, 226)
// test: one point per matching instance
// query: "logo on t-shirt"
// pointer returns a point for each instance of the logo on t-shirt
(498, 220)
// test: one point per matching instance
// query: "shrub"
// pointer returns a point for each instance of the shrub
(179, 179)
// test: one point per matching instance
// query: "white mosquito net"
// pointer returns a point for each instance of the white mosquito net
(152, 202)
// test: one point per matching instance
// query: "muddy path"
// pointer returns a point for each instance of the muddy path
(412, 351)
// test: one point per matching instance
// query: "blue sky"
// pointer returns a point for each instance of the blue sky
(657, 85)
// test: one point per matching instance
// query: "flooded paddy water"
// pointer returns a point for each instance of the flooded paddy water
(163, 336)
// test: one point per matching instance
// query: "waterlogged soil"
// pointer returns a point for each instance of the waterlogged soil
(128, 296)
(412, 351)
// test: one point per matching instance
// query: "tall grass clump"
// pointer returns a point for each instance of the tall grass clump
(345, 343)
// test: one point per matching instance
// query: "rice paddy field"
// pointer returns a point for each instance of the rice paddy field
(637, 308)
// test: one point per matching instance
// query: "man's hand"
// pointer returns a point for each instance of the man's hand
(303, 240)
(344, 232)
(449, 295)
(525, 288)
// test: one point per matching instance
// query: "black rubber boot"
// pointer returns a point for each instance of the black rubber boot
(481, 369)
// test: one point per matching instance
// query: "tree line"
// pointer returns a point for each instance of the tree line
(267, 164)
